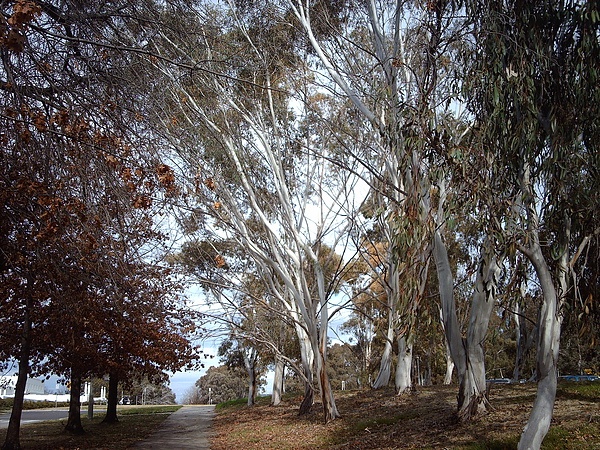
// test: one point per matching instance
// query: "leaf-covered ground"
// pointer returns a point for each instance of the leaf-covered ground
(423, 419)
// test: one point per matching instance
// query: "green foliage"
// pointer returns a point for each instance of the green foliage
(7, 403)
(221, 384)
(149, 410)
(584, 390)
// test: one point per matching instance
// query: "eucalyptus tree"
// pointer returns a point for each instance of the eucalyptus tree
(409, 95)
(535, 93)
(262, 177)
(386, 99)
(238, 303)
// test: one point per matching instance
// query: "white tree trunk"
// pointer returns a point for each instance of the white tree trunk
(449, 365)
(449, 361)
(250, 364)
(385, 367)
(468, 354)
(277, 381)
(404, 366)
(547, 356)
(307, 357)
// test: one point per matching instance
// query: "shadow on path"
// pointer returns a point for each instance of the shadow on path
(187, 428)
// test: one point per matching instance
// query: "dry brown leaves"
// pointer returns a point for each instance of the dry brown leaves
(423, 419)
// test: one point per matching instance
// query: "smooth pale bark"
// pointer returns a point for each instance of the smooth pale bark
(391, 289)
(467, 353)
(385, 366)
(307, 358)
(449, 367)
(112, 400)
(547, 355)
(250, 364)
(74, 425)
(449, 361)
(277, 381)
(11, 441)
(404, 366)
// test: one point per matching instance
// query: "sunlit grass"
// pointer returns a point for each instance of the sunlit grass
(134, 424)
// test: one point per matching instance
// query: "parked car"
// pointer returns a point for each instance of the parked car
(499, 380)
(579, 377)
(125, 401)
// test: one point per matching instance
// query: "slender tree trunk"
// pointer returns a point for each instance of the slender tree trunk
(449, 361)
(329, 407)
(74, 425)
(385, 366)
(250, 363)
(307, 356)
(14, 425)
(111, 406)
(449, 365)
(521, 339)
(404, 366)
(277, 381)
(547, 356)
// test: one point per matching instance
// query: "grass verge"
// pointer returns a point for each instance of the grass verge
(134, 424)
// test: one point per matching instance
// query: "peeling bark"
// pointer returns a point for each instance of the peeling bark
(385, 366)
(467, 353)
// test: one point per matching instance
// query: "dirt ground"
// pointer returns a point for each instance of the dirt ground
(422, 419)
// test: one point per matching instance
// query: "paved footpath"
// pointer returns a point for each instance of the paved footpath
(186, 429)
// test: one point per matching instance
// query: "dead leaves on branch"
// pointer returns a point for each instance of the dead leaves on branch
(11, 30)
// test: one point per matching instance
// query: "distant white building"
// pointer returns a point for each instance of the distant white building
(8, 384)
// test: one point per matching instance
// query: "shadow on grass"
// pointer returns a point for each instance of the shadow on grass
(134, 424)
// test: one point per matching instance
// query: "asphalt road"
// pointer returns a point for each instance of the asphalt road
(35, 415)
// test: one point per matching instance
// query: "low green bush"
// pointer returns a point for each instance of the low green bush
(7, 403)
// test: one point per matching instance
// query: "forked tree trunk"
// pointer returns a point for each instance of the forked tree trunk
(329, 407)
(468, 353)
(250, 364)
(74, 425)
(14, 425)
(404, 366)
(277, 381)
(111, 405)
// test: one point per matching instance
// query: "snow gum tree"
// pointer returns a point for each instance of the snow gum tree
(536, 99)
(262, 174)
(408, 101)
